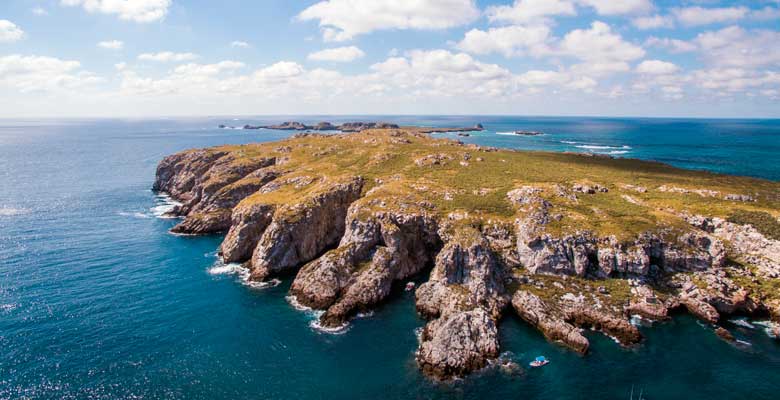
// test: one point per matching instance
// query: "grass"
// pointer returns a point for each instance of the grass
(461, 183)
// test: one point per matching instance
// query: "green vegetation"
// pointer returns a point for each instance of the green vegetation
(764, 222)
(403, 168)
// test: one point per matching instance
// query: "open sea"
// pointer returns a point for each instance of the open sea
(99, 301)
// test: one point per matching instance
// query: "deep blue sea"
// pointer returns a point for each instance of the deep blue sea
(99, 301)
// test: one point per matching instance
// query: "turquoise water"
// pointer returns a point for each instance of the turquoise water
(98, 301)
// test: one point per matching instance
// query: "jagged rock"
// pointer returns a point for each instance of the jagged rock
(458, 344)
(248, 223)
(751, 245)
(589, 188)
(301, 231)
(618, 328)
(536, 312)
(466, 295)
(700, 309)
(724, 334)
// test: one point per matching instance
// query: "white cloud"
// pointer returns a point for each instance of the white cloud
(617, 7)
(765, 14)
(9, 32)
(653, 22)
(111, 45)
(510, 40)
(344, 19)
(599, 44)
(530, 11)
(673, 45)
(36, 73)
(208, 69)
(695, 16)
(39, 11)
(130, 10)
(338, 54)
(167, 56)
(120, 66)
(736, 47)
(735, 79)
(656, 67)
(240, 44)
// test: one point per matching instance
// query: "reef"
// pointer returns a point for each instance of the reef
(566, 242)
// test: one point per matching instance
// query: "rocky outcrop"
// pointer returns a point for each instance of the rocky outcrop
(545, 245)
(751, 245)
(465, 287)
(549, 321)
(584, 254)
(301, 231)
(457, 344)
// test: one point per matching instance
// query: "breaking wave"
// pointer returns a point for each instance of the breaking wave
(220, 268)
(164, 204)
(602, 147)
(315, 318)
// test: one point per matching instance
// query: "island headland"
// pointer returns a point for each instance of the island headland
(352, 127)
(565, 241)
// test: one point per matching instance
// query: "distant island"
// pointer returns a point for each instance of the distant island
(350, 127)
(565, 241)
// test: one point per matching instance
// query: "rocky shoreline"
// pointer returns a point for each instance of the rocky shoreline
(352, 216)
(349, 127)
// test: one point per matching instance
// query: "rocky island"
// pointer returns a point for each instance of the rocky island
(566, 241)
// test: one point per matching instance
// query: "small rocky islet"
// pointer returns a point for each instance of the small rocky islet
(566, 241)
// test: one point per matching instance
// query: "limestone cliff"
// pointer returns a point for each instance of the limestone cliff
(566, 242)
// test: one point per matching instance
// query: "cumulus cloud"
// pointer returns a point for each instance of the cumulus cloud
(653, 22)
(510, 41)
(599, 44)
(617, 7)
(344, 19)
(9, 32)
(338, 54)
(656, 67)
(525, 11)
(695, 16)
(39, 11)
(167, 56)
(240, 44)
(111, 45)
(736, 47)
(38, 73)
(672, 45)
(131, 10)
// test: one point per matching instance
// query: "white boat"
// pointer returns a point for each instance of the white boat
(539, 362)
(409, 286)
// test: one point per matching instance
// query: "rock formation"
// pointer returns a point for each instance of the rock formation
(354, 216)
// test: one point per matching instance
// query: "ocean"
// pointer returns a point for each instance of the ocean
(99, 301)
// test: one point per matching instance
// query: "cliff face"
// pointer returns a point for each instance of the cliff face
(564, 241)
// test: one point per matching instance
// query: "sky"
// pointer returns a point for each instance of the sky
(141, 58)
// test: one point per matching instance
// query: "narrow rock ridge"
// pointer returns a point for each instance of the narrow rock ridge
(356, 215)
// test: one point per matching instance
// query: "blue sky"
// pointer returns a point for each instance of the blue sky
(703, 58)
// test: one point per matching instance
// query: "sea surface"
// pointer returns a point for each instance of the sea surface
(99, 301)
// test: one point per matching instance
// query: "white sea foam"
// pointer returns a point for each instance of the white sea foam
(8, 307)
(220, 268)
(164, 204)
(568, 142)
(223, 269)
(315, 318)
(516, 134)
(744, 343)
(135, 214)
(602, 147)
(616, 152)
(12, 211)
(770, 328)
(742, 322)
